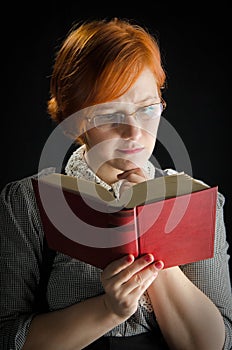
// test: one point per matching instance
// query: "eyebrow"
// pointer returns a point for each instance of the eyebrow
(147, 99)
(107, 108)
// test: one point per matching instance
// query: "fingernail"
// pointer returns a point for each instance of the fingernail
(130, 258)
(158, 265)
(149, 258)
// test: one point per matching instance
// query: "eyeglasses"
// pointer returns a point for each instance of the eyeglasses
(143, 116)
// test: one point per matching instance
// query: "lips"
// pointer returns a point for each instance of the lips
(130, 150)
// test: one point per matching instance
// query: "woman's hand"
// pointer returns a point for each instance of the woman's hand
(130, 178)
(125, 280)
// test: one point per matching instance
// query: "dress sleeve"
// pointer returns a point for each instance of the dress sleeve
(212, 276)
(20, 256)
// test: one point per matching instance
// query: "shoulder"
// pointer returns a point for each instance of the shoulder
(21, 190)
(170, 171)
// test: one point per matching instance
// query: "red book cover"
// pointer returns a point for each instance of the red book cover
(177, 230)
(95, 237)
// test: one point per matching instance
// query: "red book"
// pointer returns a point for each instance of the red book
(172, 217)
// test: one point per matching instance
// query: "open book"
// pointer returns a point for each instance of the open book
(172, 217)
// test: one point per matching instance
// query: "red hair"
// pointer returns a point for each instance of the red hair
(98, 62)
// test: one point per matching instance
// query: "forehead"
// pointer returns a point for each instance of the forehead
(142, 93)
(143, 90)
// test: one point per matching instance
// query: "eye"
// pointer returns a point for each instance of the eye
(150, 112)
(111, 118)
(148, 109)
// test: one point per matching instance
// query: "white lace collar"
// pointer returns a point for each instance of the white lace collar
(77, 167)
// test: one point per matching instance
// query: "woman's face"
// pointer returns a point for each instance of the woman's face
(114, 148)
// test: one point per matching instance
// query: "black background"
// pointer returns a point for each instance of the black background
(195, 44)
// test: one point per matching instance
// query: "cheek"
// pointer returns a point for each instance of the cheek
(151, 136)
(93, 137)
(149, 140)
(101, 143)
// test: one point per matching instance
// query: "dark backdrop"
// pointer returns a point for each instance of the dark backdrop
(195, 45)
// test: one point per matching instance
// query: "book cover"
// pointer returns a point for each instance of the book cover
(172, 217)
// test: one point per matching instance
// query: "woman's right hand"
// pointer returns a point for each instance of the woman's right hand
(125, 280)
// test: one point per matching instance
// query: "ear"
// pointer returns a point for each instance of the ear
(70, 134)
(69, 131)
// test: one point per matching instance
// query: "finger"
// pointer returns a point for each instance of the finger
(135, 178)
(117, 266)
(137, 171)
(126, 185)
(127, 172)
(120, 271)
(137, 292)
(142, 279)
(139, 264)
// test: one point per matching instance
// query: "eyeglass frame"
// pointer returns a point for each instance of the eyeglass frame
(125, 115)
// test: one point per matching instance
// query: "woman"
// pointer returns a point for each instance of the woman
(109, 76)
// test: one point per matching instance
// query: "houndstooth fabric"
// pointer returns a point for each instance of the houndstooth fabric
(72, 281)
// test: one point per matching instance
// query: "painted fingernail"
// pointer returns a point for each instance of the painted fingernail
(158, 265)
(149, 258)
(130, 258)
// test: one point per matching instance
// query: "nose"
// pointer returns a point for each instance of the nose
(130, 129)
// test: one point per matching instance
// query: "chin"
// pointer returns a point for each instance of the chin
(125, 164)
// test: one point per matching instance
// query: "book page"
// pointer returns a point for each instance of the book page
(79, 186)
(160, 188)
(144, 192)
